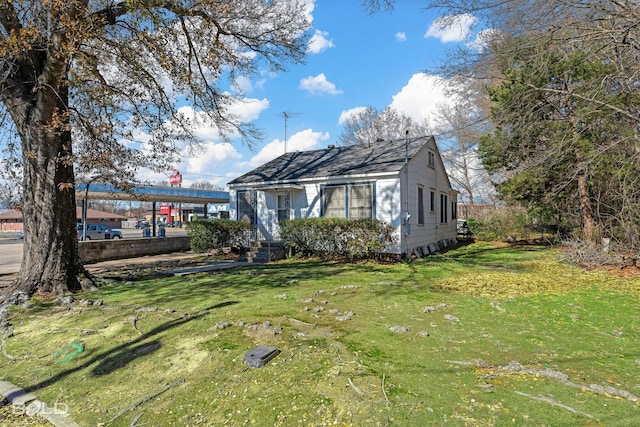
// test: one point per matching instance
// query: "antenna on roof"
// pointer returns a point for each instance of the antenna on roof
(286, 116)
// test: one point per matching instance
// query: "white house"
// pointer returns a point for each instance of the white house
(403, 183)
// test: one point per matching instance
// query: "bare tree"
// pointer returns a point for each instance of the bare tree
(206, 185)
(373, 6)
(369, 126)
(459, 125)
(102, 72)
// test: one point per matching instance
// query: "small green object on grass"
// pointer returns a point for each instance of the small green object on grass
(69, 352)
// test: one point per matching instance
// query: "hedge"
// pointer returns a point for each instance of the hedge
(209, 234)
(337, 237)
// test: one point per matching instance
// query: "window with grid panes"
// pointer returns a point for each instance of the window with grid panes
(360, 201)
(334, 202)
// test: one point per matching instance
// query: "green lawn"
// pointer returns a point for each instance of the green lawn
(484, 336)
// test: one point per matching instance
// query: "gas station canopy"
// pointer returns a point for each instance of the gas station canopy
(151, 194)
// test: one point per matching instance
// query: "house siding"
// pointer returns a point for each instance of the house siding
(389, 208)
(309, 201)
(430, 178)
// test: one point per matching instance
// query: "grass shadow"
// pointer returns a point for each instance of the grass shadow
(177, 291)
(124, 357)
(120, 356)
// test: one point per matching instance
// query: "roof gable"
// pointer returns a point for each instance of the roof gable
(381, 157)
(439, 163)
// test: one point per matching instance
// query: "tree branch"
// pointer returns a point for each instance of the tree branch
(9, 18)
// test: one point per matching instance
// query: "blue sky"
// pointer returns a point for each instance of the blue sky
(354, 60)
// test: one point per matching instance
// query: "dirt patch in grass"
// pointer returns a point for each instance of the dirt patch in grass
(624, 271)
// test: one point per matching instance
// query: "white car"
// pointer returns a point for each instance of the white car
(98, 231)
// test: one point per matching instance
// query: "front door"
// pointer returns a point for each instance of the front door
(246, 200)
(283, 206)
(283, 212)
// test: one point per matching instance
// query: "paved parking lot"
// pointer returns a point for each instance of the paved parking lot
(10, 255)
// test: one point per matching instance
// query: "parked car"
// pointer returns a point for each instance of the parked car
(462, 228)
(20, 235)
(98, 231)
(142, 224)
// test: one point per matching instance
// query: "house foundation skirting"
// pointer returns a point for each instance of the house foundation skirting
(432, 248)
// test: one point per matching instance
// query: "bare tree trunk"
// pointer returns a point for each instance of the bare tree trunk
(588, 227)
(467, 180)
(51, 262)
(586, 211)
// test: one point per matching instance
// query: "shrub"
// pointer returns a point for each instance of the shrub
(500, 223)
(337, 237)
(210, 234)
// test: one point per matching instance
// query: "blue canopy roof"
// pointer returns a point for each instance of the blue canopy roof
(151, 194)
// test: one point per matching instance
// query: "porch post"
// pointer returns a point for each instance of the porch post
(153, 219)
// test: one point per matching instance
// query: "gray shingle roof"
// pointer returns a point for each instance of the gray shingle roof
(380, 157)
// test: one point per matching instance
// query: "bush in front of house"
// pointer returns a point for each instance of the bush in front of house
(215, 234)
(336, 237)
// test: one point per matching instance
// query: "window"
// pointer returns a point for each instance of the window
(334, 202)
(360, 201)
(283, 207)
(444, 202)
(246, 210)
(454, 210)
(432, 159)
(420, 206)
(353, 201)
(432, 201)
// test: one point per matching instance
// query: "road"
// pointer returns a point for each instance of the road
(10, 255)
(11, 248)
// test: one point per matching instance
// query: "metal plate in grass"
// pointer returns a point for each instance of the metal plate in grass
(260, 356)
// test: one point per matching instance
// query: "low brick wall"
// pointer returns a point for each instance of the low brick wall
(92, 251)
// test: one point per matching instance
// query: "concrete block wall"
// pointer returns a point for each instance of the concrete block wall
(92, 251)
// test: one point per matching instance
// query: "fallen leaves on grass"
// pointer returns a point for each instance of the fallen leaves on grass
(542, 276)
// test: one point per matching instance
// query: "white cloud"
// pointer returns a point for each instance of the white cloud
(147, 175)
(242, 84)
(319, 42)
(318, 85)
(206, 157)
(248, 109)
(138, 137)
(421, 96)
(208, 161)
(347, 114)
(451, 28)
(209, 157)
(300, 141)
(309, 6)
(483, 38)
(401, 36)
(244, 110)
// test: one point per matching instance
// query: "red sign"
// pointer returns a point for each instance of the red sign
(165, 209)
(175, 178)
